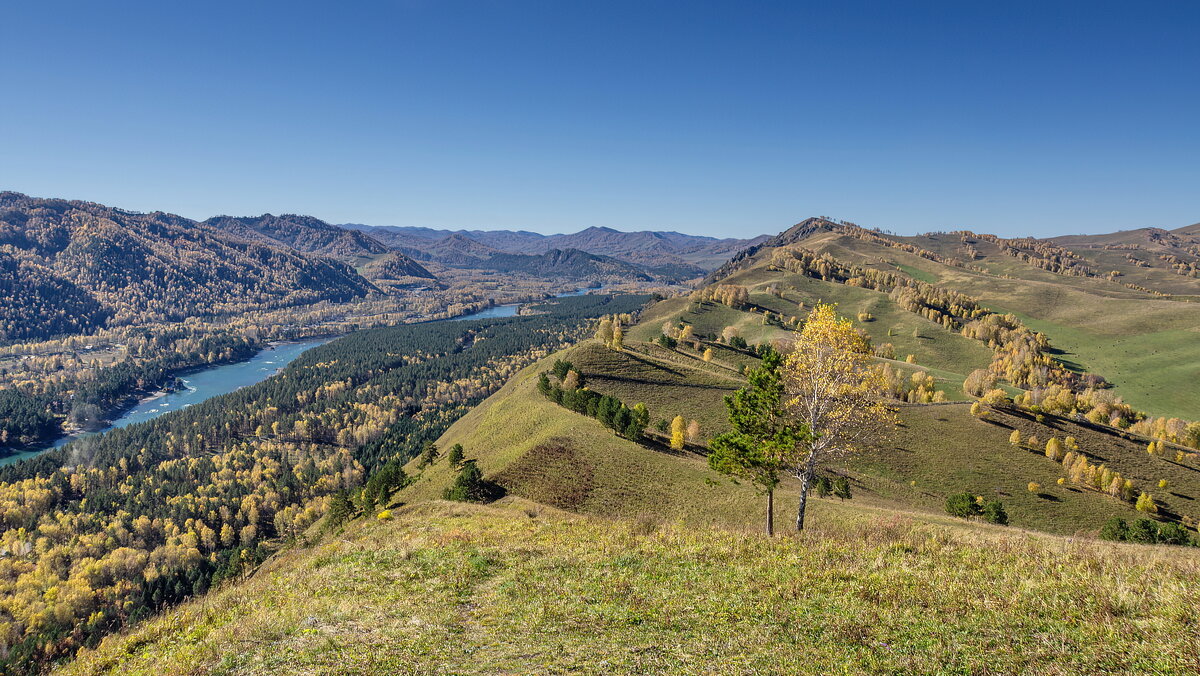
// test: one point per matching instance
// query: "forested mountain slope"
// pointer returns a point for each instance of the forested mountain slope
(302, 233)
(71, 266)
(566, 264)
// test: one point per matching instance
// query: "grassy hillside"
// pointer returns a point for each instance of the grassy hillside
(1147, 345)
(540, 451)
(942, 449)
(518, 588)
(546, 453)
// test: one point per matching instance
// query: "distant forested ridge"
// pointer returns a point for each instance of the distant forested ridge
(112, 528)
(684, 254)
(70, 266)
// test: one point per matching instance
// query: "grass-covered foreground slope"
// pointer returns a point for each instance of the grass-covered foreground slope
(518, 588)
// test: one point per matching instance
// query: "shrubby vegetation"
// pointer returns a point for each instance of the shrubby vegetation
(1146, 531)
(967, 505)
(570, 392)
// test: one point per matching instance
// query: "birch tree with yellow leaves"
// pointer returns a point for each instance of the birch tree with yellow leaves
(834, 390)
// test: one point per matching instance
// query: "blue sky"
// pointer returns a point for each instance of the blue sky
(726, 119)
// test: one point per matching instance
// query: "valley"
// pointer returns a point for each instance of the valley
(458, 454)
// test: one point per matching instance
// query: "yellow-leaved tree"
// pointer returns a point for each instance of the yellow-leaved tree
(834, 390)
(678, 432)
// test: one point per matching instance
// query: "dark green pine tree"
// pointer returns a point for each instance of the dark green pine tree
(762, 431)
(340, 509)
(841, 488)
(456, 455)
(468, 486)
(429, 454)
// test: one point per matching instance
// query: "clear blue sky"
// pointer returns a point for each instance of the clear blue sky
(706, 117)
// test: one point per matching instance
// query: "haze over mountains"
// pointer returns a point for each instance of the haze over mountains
(690, 253)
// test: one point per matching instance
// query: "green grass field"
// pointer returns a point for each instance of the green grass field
(519, 588)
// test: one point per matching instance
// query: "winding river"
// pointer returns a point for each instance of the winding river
(217, 380)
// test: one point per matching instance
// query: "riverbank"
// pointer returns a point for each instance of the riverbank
(222, 377)
(199, 383)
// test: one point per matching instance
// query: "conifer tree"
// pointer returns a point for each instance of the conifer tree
(823, 486)
(993, 512)
(762, 435)
(429, 455)
(841, 488)
(468, 486)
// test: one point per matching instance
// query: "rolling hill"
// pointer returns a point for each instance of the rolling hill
(302, 233)
(1137, 328)
(566, 264)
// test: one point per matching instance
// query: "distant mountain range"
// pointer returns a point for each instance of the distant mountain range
(69, 266)
(664, 254)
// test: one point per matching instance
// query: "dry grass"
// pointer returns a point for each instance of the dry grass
(519, 588)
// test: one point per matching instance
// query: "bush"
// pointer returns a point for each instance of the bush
(470, 486)
(1173, 534)
(1144, 530)
(841, 488)
(963, 505)
(995, 397)
(993, 512)
(823, 487)
(1115, 529)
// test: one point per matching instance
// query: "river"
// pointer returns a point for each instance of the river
(217, 380)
